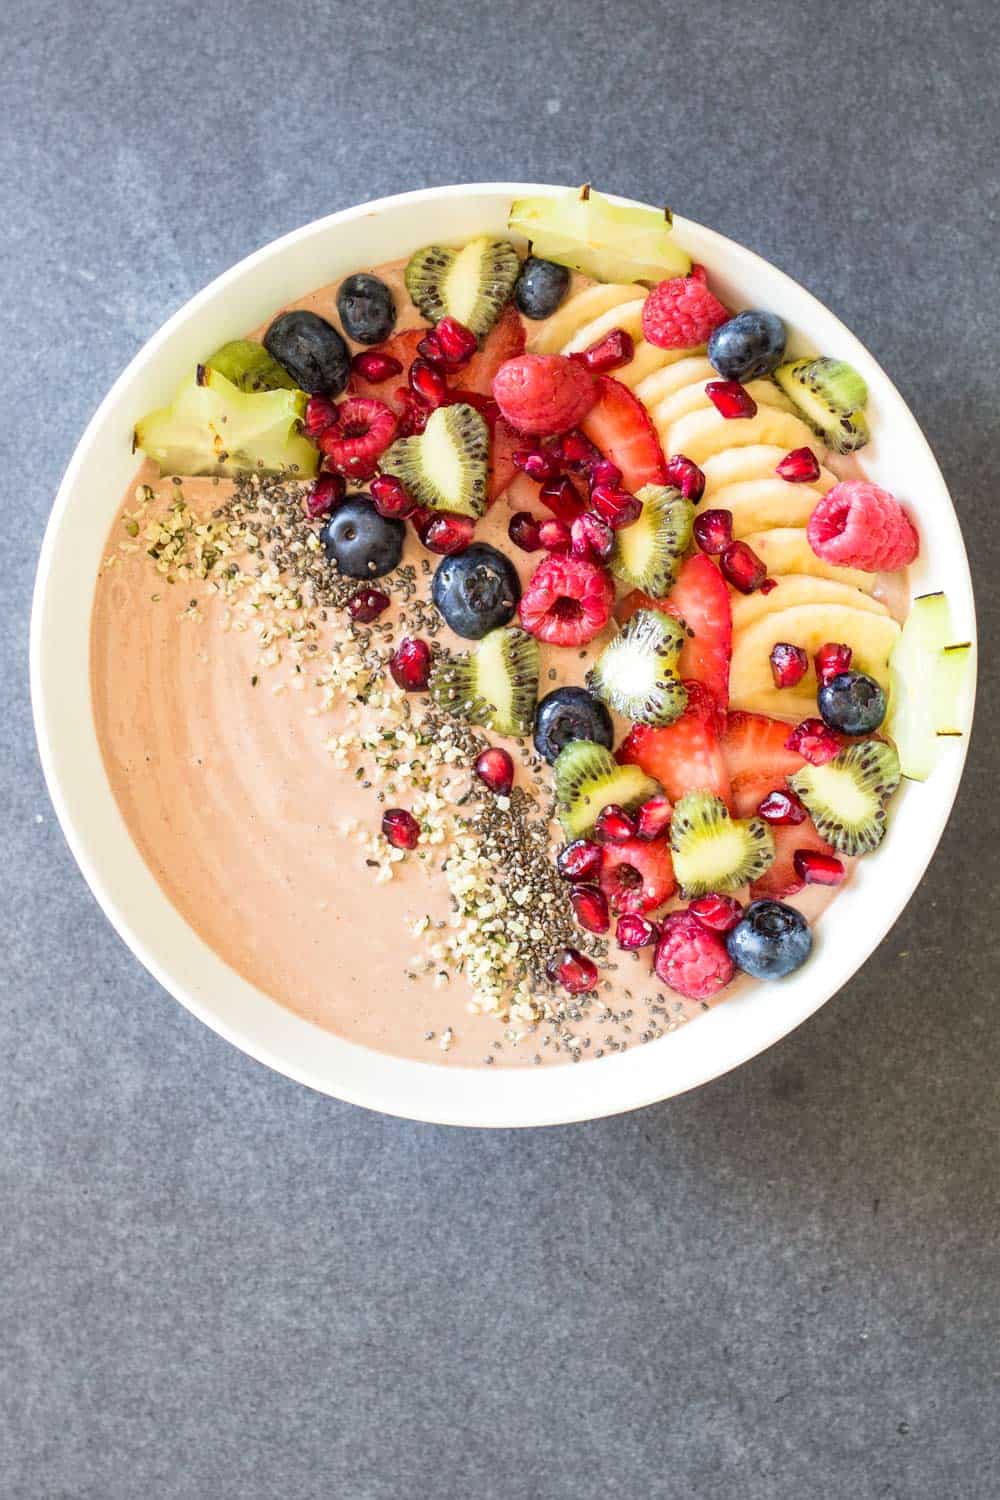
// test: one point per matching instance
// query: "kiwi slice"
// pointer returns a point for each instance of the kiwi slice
(496, 685)
(445, 466)
(647, 554)
(830, 395)
(249, 366)
(713, 851)
(473, 284)
(588, 778)
(212, 427)
(636, 673)
(846, 796)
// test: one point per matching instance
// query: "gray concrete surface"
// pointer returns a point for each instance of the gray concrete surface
(217, 1284)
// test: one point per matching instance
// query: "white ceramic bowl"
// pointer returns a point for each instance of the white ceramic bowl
(75, 542)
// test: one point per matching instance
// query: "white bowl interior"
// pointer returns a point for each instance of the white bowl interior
(75, 544)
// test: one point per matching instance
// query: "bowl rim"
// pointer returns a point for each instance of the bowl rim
(479, 1097)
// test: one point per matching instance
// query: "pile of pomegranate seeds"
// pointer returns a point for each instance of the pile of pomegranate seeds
(410, 664)
(561, 498)
(554, 535)
(789, 664)
(538, 464)
(495, 769)
(591, 538)
(615, 506)
(731, 399)
(400, 828)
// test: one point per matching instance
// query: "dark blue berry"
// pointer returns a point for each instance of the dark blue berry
(541, 287)
(748, 346)
(367, 310)
(311, 350)
(570, 713)
(362, 543)
(852, 702)
(476, 590)
(770, 941)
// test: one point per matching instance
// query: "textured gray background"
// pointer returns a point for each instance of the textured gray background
(214, 1283)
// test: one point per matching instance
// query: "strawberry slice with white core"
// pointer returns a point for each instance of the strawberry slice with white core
(685, 756)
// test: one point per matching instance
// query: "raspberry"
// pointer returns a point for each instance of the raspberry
(544, 393)
(681, 312)
(354, 446)
(690, 959)
(567, 601)
(858, 525)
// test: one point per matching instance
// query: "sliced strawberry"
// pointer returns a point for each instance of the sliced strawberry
(685, 756)
(619, 425)
(505, 341)
(781, 878)
(757, 758)
(403, 346)
(636, 876)
(504, 443)
(701, 599)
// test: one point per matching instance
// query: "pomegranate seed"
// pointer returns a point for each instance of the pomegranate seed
(458, 343)
(448, 533)
(717, 913)
(713, 531)
(813, 741)
(410, 664)
(367, 604)
(800, 466)
(320, 415)
(614, 826)
(522, 528)
(590, 907)
(768, 586)
(615, 505)
(580, 860)
(554, 535)
(428, 383)
(413, 417)
(605, 472)
(634, 931)
(653, 818)
(816, 868)
(685, 474)
(781, 807)
(743, 568)
(400, 828)
(536, 463)
(591, 538)
(390, 498)
(578, 452)
(731, 399)
(831, 660)
(561, 498)
(375, 367)
(573, 970)
(323, 494)
(495, 769)
(609, 353)
(789, 664)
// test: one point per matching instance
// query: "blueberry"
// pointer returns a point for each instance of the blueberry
(476, 590)
(748, 346)
(570, 713)
(367, 310)
(311, 350)
(770, 941)
(541, 287)
(852, 702)
(362, 543)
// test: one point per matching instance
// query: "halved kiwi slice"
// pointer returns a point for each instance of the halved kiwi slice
(212, 427)
(846, 796)
(249, 366)
(588, 778)
(496, 685)
(713, 851)
(636, 673)
(647, 554)
(830, 395)
(445, 467)
(473, 284)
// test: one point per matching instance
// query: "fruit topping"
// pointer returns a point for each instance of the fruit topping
(321, 414)
(580, 860)
(247, 365)
(638, 876)
(472, 285)
(311, 350)
(846, 795)
(544, 393)
(400, 828)
(852, 702)
(647, 554)
(713, 531)
(743, 568)
(579, 454)
(502, 343)
(503, 444)
(830, 660)
(602, 471)
(375, 367)
(732, 400)
(445, 466)
(814, 868)
(782, 878)
(680, 313)
(789, 664)
(713, 851)
(427, 383)
(477, 591)
(929, 686)
(401, 351)
(814, 741)
(570, 713)
(717, 912)
(212, 427)
(780, 808)
(700, 600)
(562, 499)
(690, 959)
(366, 605)
(653, 818)
(538, 463)
(447, 534)
(573, 970)
(554, 535)
(410, 665)
(636, 673)
(362, 543)
(609, 353)
(325, 492)
(522, 528)
(619, 426)
(614, 825)
(800, 466)
(831, 396)
(616, 242)
(495, 769)
(686, 756)
(772, 940)
(588, 778)
(757, 758)
(590, 907)
(413, 412)
(390, 498)
(748, 346)
(616, 507)
(858, 525)
(591, 538)
(363, 432)
(449, 344)
(686, 476)
(567, 601)
(366, 308)
(541, 287)
(495, 686)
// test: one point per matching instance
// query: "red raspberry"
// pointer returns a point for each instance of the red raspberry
(567, 602)
(857, 525)
(690, 959)
(365, 430)
(544, 393)
(681, 312)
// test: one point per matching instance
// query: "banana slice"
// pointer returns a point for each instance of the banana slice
(702, 434)
(688, 368)
(647, 360)
(693, 398)
(786, 549)
(550, 336)
(794, 589)
(760, 504)
(871, 638)
(758, 461)
(626, 315)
